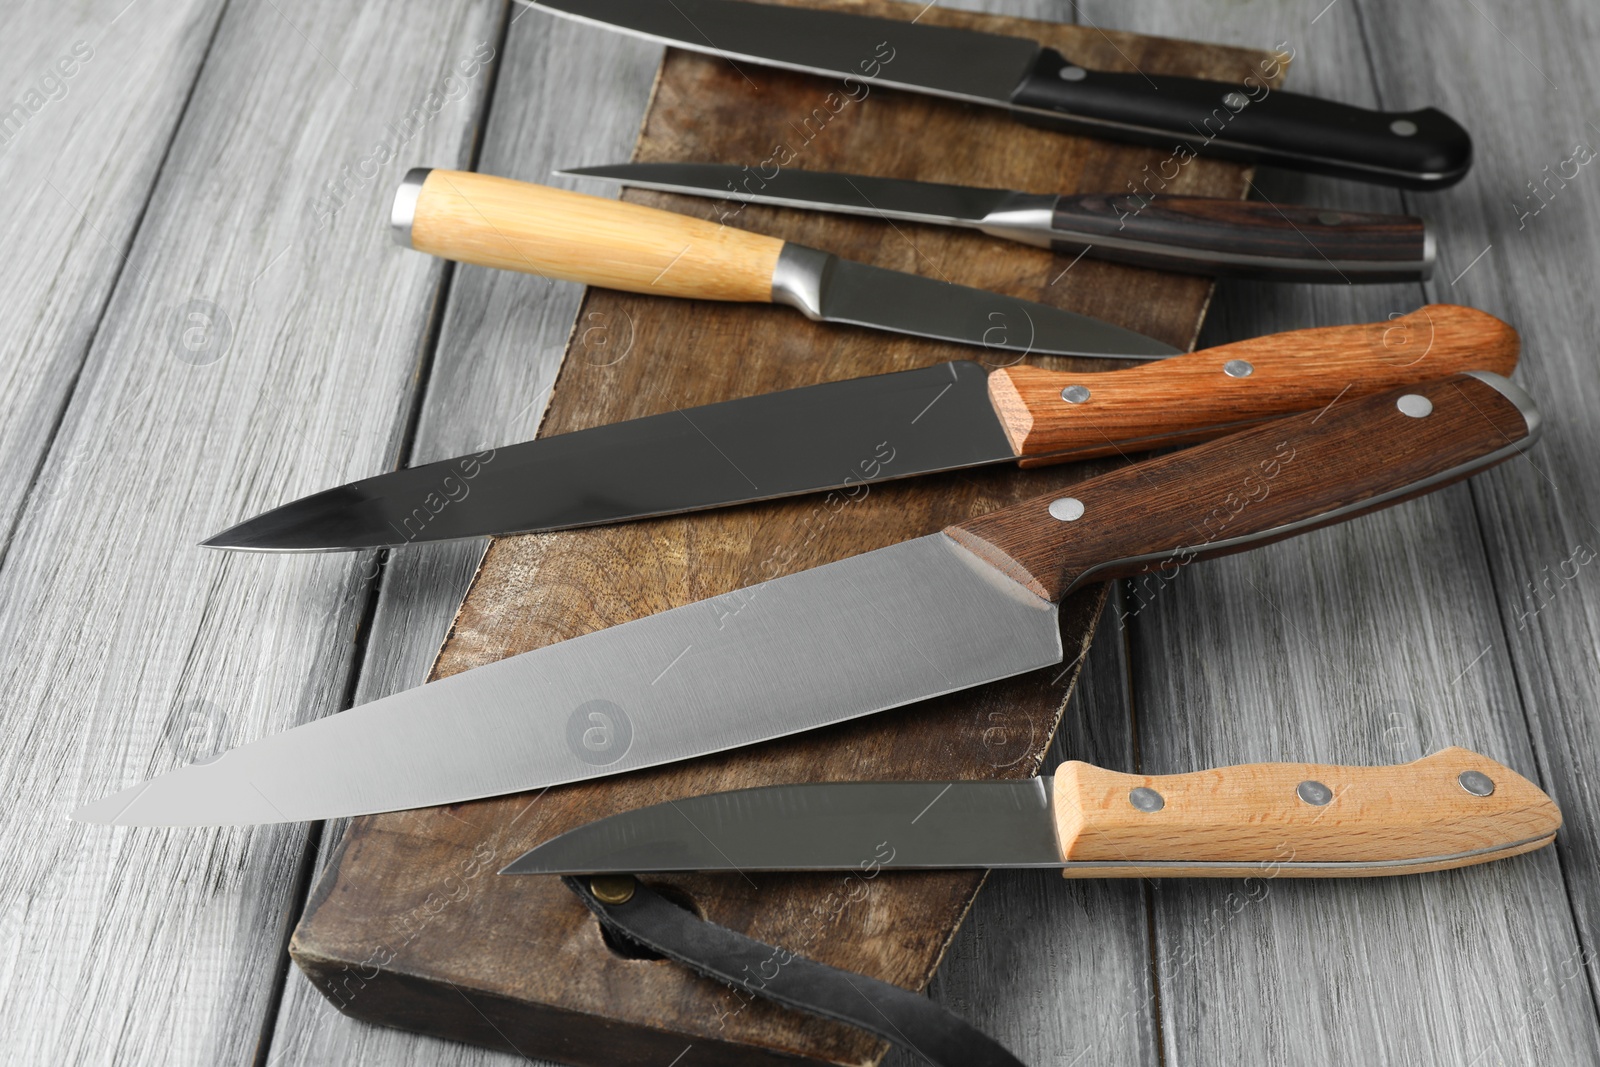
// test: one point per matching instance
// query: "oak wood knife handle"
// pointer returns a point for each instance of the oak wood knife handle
(1256, 486)
(512, 225)
(1244, 238)
(1450, 809)
(1051, 416)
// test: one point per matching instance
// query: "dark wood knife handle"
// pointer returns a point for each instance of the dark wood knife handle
(1257, 486)
(1245, 238)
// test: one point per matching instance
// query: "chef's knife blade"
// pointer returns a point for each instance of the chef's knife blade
(511, 225)
(1450, 809)
(974, 603)
(1421, 149)
(1203, 235)
(844, 435)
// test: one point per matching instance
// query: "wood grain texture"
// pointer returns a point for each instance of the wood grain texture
(133, 650)
(498, 222)
(88, 110)
(1376, 641)
(1289, 241)
(538, 589)
(1379, 640)
(1250, 488)
(1256, 815)
(1034, 950)
(1532, 219)
(500, 346)
(1163, 403)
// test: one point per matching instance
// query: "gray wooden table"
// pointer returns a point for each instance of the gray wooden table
(204, 316)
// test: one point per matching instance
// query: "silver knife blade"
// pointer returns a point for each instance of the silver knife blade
(961, 64)
(851, 194)
(833, 289)
(867, 633)
(816, 827)
(838, 435)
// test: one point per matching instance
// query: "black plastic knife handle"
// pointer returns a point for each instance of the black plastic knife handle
(1244, 238)
(1424, 149)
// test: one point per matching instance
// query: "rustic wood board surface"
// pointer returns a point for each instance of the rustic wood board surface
(364, 938)
(191, 145)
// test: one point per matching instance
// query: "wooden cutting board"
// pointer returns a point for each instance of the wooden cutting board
(410, 925)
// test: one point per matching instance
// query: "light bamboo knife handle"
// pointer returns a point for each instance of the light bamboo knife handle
(511, 225)
(1451, 809)
(1050, 416)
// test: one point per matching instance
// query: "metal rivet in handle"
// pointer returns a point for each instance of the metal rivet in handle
(1415, 405)
(1066, 508)
(1314, 793)
(1403, 127)
(1238, 368)
(1476, 782)
(1330, 218)
(1235, 101)
(1146, 799)
(612, 888)
(1069, 73)
(1075, 394)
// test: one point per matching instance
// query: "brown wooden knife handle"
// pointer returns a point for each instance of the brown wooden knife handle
(1450, 809)
(1050, 416)
(512, 225)
(1257, 486)
(1246, 238)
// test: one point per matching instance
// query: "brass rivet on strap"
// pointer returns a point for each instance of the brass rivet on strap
(612, 888)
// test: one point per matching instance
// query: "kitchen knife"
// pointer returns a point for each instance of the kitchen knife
(1249, 120)
(842, 435)
(1196, 234)
(497, 222)
(1451, 809)
(971, 604)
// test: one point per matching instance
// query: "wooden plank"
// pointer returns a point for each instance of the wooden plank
(93, 93)
(500, 346)
(1527, 251)
(140, 651)
(533, 590)
(1375, 643)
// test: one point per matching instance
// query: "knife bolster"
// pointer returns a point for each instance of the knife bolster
(1284, 819)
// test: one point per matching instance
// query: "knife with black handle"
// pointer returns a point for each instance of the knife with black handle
(1192, 234)
(843, 436)
(1249, 120)
(1454, 808)
(976, 602)
(1423, 149)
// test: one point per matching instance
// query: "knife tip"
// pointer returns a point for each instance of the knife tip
(107, 810)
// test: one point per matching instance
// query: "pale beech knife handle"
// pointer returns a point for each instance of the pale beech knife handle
(511, 225)
(1050, 416)
(1256, 486)
(1450, 809)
